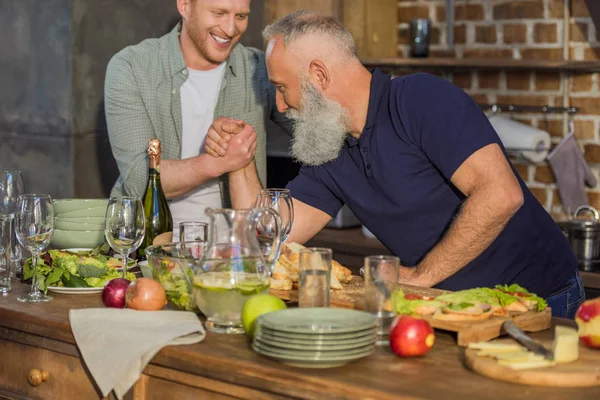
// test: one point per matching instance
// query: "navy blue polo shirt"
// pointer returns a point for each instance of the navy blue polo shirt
(396, 179)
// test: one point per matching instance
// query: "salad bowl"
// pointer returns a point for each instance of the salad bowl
(173, 265)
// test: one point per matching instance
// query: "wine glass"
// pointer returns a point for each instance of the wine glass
(279, 200)
(34, 228)
(124, 226)
(11, 187)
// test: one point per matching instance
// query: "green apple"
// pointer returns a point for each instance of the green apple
(256, 306)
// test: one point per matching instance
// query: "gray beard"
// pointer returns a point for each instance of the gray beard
(319, 129)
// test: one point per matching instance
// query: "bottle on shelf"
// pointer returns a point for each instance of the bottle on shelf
(156, 209)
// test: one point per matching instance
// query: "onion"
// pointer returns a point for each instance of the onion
(113, 294)
(145, 294)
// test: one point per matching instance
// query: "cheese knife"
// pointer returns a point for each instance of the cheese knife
(516, 333)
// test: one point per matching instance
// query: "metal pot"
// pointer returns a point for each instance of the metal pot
(584, 237)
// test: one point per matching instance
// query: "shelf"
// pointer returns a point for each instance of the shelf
(485, 63)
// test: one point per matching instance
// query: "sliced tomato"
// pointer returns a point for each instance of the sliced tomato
(519, 294)
(411, 296)
(516, 294)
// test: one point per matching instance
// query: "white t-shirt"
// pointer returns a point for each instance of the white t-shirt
(199, 95)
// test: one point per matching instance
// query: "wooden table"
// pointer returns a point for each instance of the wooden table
(350, 246)
(223, 366)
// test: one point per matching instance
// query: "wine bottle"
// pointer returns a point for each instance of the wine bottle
(156, 209)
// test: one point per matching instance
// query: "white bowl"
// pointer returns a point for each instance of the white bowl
(76, 226)
(62, 206)
(81, 220)
(73, 239)
(86, 212)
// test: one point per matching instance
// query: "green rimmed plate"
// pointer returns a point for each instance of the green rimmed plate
(315, 346)
(312, 338)
(313, 354)
(322, 321)
(311, 362)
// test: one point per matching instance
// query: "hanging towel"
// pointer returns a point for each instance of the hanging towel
(572, 172)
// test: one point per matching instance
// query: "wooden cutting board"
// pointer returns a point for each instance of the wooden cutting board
(352, 296)
(583, 372)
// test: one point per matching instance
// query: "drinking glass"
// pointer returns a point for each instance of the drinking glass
(279, 200)
(124, 226)
(11, 187)
(34, 228)
(315, 277)
(420, 29)
(192, 231)
(6, 230)
(381, 282)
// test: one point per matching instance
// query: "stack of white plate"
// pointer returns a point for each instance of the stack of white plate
(315, 337)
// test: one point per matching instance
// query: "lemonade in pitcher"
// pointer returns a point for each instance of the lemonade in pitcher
(221, 295)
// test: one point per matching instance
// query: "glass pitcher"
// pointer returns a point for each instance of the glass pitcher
(236, 264)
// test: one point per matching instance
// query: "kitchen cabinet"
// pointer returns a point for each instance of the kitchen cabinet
(373, 24)
(38, 336)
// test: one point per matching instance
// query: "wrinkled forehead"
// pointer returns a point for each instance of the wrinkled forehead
(281, 63)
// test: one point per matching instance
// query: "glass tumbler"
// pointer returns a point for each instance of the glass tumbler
(6, 230)
(381, 283)
(419, 37)
(315, 277)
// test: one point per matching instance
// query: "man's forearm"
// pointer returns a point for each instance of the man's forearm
(179, 177)
(244, 185)
(477, 225)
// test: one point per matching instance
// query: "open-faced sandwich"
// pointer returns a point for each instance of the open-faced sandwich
(470, 305)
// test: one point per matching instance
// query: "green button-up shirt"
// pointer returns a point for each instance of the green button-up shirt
(142, 101)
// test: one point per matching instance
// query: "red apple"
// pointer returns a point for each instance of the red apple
(588, 320)
(410, 336)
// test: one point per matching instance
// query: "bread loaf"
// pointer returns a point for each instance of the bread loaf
(288, 266)
(291, 252)
(281, 284)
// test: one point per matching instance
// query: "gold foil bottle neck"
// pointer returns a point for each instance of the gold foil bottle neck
(154, 152)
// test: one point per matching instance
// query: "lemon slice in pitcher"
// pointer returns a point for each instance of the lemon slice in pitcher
(214, 281)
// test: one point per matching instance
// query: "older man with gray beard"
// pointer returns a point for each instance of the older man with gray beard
(417, 162)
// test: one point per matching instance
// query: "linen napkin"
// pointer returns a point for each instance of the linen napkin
(117, 344)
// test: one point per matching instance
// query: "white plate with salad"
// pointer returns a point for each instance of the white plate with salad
(74, 271)
(74, 290)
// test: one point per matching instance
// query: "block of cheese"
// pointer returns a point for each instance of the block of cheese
(566, 344)
(527, 364)
(518, 356)
(491, 348)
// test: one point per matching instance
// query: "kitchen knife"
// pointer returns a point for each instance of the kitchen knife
(521, 337)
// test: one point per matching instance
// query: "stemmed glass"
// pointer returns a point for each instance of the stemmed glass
(11, 187)
(279, 200)
(34, 229)
(124, 226)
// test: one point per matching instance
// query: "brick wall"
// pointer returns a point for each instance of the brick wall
(521, 30)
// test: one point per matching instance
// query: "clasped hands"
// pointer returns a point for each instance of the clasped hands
(231, 140)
